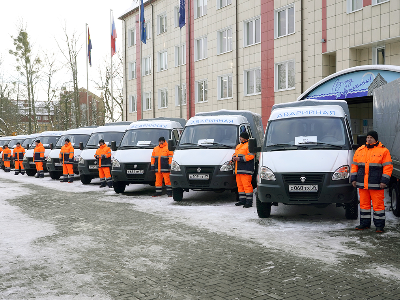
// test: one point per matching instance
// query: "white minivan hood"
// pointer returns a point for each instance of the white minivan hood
(134, 155)
(294, 161)
(203, 157)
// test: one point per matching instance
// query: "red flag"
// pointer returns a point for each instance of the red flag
(113, 38)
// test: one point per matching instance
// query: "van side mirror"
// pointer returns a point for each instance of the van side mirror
(355, 146)
(51, 146)
(27, 147)
(81, 146)
(114, 146)
(171, 145)
(253, 146)
(361, 139)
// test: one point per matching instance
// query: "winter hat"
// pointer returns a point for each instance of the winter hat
(161, 139)
(244, 135)
(374, 134)
(101, 141)
(37, 141)
(67, 140)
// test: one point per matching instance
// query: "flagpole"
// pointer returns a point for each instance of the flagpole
(180, 71)
(141, 62)
(111, 74)
(87, 75)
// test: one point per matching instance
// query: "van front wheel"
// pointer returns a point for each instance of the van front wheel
(86, 179)
(119, 187)
(30, 172)
(395, 199)
(352, 208)
(177, 194)
(263, 208)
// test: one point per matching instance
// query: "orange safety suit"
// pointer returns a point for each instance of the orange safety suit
(161, 160)
(67, 159)
(103, 154)
(7, 159)
(38, 159)
(18, 154)
(371, 166)
(244, 169)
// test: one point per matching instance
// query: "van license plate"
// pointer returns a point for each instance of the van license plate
(57, 164)
(93, 167)
(134, 171)
(199, 176)
(303, 188)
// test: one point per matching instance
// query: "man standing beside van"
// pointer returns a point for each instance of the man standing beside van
(18, 154)
(370, 173)
(38, 159)
(67, 158)
(7, 158)
(244, 169)
(103, 154)
(161, 160)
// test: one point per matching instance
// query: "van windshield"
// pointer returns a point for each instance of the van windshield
(27, 142)
(210, 136)
(75, 139)
(108, 137)
(13, 143)
(4, 142)
(310, 132)
(47, 140)
(144, 137)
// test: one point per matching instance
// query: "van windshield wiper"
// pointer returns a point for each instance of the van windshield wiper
(193, 146)
(286, 147)
(325, 145)
(220, 145)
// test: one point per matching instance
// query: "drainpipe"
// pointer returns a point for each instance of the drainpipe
(237, 56)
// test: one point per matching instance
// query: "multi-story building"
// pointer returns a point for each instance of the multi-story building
(249, 54)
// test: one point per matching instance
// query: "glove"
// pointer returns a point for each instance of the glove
(152, 168)
(96, 156)
(103, 156)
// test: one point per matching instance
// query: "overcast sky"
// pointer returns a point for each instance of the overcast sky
(45, 19)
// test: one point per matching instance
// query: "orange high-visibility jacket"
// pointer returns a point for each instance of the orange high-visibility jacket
(161, 158)
(6, 154)
(38, 153)
(103, 150)
(18, 153)
(371, 166)
(67, 154)
(246, 163)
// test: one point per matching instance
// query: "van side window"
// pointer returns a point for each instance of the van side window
(249, 131)
(242, 129)
(175, 135)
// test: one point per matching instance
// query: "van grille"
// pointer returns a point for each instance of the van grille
(309, 179)
(203, 170)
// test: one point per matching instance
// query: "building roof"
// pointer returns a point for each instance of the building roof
(134, 5)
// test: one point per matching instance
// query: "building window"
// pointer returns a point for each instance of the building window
(162, 98)
(146, 66)
(147, 101)
(224, 41)
(131, 37)
(378, 55)
(132, 104)
(374, 2)
(180, 56)
(162, 23)
(148, 29)
(252, 82)
(201, 91)
(180, 92)
(200, 48)
(200, 8)
(284, 75)
(176, 16)
(38, 118)
(353, 5)
(225, 87)
(252, 32)
(162, 61)
(223, 3)
(45, 118)
(284, 21)
(131, 70)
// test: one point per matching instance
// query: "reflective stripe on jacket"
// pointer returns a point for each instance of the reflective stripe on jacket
(6, 154)
(67, 154)
(246, 163)
(104, 150)
(18, 153)
(371, 166)
(161, 158)
(38, 153)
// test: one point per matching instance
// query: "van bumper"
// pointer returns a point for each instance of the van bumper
(121, 174)
(84, 169)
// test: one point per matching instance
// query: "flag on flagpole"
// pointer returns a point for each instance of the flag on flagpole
(182, 14)
(113, 38)
(142, 23)
(89, 48)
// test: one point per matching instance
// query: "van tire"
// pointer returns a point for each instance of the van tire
(352, 208)
(263, 208)
(30, 172)
(119, 187)
(55, 175)
(177, 194)
(394, 199)
(86, 179)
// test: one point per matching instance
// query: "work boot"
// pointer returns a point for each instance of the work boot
(169, 191)
(249, 200)
(242, 199)
(16, 173)
(379, 229)
(71, 179)
(22, 172)
(362, 227)
(65, 178)
(239, 203)
(103, 184)
(37, 175)
(41, 175)
(110, 183)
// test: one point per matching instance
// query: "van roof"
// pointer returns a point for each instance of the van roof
(228, 120)
(18, 137)
(112, 128)
(307, 111)
(51, 133)
(164, 124)
(82, 130)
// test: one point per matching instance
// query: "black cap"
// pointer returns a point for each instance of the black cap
(374, 134)
(18, 143)
(161, 139)
(67, 140)
(37, 141)
(244, 135)
(5, 145)
(101, 141)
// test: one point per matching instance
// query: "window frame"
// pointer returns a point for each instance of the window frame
(132, 100)
(130, 31)
(219, 5)
(246, 88)
(350, 6)
(160, 100)
(203, 9)
(177, 89)
(286, 62)
(375, 2)
(203, 50)
(219, 37)
(375, 55)
(276, 21)
(144, 101)
(245, 33)
(177, 53)
(148, 32)
(144, 59)
(131, 71)
(219, 86)
(159, 17)
(204, 91)
(162, 55)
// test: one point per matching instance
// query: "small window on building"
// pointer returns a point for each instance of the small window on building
(147, 101)
(132, 104)
(284, 21)
(225, 85)
(162, 23)
(162, 61)
(200, 8)
(252, 32)
(176, 16)
(223, 3)
(374, 2)
(146, 67)
(148, 29)
(252, 82)
(38, 118)
(200, 48)
(378, 55)
(353, 5)
(162, 98)
(284, 75)
(180, 92)
(180, 56)
(45, 118)
(131, 71)
(201, 91)
(224, 41)
(131, 37)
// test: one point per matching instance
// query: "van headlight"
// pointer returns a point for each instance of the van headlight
(48, 159)
(115, 163)
(228, 166)
(81, 161)
(341, 173)
(266, 174)
(175, 166)
(77, 158)
(25, 158)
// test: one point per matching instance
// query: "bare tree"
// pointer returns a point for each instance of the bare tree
(49, 70)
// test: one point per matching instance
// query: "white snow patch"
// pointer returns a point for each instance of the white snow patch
(385, 271)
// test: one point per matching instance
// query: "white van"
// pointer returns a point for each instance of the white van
(203, 158)
(28, 141)
(4, 140)
(48, 139)
(78, 138)
(87, 166)
(16, 139)
(306, 157)
(132, 161)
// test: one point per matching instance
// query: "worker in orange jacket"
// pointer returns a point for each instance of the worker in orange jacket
(244, 169)
(18, 154)
(67, 159)
(38, 159)
(161, 160)
(370, 172)
(6, 158)
(103, 154)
